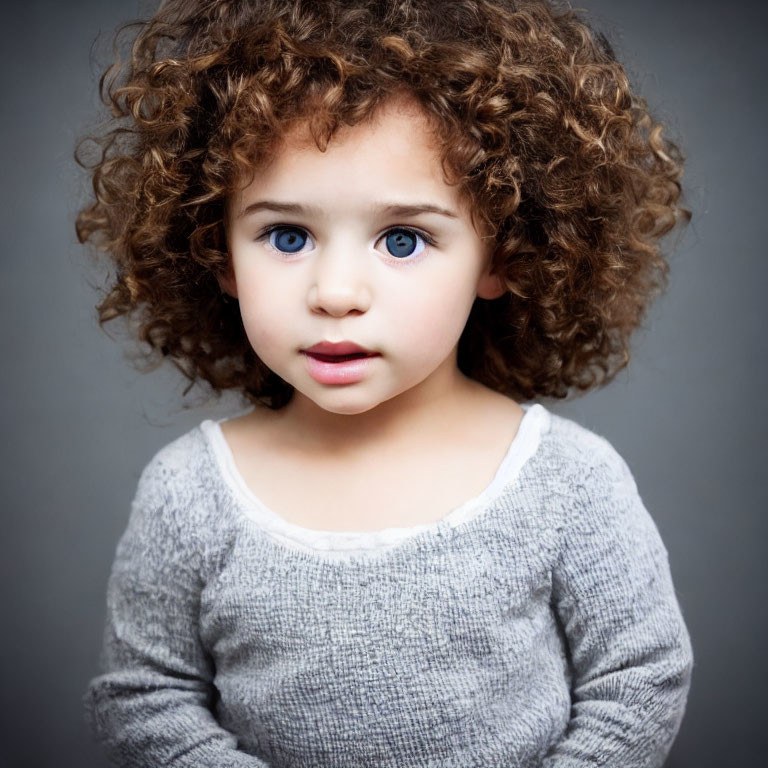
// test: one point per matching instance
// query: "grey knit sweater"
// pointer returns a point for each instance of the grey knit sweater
(535, 625)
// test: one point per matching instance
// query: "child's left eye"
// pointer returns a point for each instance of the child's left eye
(405, 243)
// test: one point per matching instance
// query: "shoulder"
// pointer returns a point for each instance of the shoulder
(181, 486)
(178, 503)
(581, 456)
(178, 467)
(594, 494)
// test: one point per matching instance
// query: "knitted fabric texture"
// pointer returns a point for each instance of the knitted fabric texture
(534, 626)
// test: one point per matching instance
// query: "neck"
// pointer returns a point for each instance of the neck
(424, 411)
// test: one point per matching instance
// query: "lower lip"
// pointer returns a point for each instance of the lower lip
(346, 372)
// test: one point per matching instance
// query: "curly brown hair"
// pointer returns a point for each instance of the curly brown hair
(535, 121)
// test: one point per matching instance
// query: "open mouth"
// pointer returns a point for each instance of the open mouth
(331, 370)
(337, 358)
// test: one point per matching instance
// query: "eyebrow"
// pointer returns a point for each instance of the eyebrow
(394, 209)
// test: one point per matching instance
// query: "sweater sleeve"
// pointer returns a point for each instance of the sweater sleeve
(629, 648)
(152, 704)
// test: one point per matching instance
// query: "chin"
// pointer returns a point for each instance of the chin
(345, 400)
(346, 409)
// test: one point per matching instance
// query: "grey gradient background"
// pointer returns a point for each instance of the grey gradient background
(689, 415)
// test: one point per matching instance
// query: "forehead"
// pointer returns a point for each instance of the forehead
(400, 112)
(394, 153)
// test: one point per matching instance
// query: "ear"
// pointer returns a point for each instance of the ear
(490, 286)
(228, 283)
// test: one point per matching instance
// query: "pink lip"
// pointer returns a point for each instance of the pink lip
(341, 372)
(337, 348)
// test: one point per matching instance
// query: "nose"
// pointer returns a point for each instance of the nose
(339, 284)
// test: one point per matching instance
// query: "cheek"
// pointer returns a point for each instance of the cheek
(264, 316)
(432, 318)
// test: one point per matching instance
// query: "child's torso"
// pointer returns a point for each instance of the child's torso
(443, 651)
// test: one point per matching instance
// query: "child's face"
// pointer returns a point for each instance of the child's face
(338, 266)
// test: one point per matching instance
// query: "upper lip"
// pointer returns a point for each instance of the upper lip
(337, 348)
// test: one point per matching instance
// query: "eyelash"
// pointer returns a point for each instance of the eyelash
(264, 235)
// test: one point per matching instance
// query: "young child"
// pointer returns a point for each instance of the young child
(391, 226)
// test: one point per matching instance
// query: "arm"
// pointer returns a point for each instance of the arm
(151, 707)
(630, 650)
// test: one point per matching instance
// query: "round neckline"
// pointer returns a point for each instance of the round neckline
(523, 445)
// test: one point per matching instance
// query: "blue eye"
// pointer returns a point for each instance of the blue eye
(287, 239)
(402, 243)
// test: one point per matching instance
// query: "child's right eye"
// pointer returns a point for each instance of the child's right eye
(286, 239)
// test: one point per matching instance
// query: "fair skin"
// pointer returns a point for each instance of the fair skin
(413, 437)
